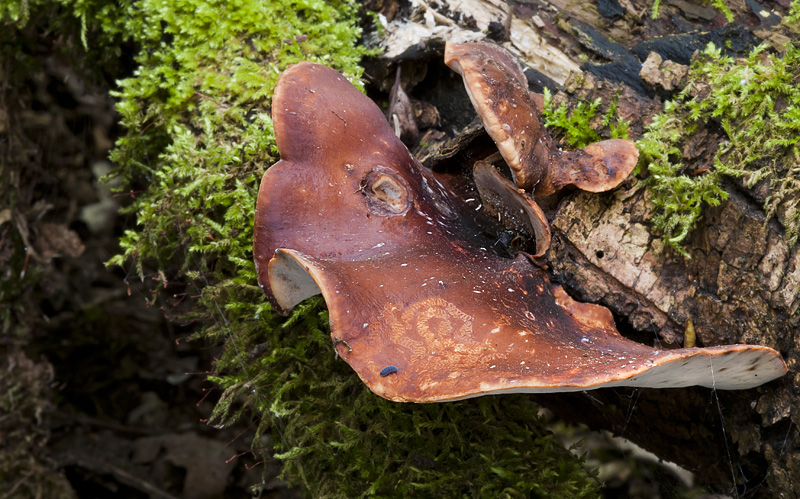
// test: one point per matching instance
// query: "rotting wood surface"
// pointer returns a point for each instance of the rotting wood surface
(739, 287)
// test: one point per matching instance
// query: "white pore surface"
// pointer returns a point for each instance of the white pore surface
(735, 367)
(290, 280)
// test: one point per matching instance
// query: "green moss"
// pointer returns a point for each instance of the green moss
(656, 9)
(576, 123)
(755, 102)
(792, 18)
(199, 102)
(718, 4)
(755, 105)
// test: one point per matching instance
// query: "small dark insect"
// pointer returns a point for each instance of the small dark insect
(388, 370)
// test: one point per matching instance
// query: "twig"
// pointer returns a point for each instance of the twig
(439, 18)
(123, 476)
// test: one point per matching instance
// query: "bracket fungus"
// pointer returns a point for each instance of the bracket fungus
(498, 90)
(418, 308)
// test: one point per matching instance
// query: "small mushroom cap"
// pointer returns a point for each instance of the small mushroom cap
(514, 209)
(498, 90)
(598, 167)
(349, 213)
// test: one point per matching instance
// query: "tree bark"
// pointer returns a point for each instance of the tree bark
(742, 285)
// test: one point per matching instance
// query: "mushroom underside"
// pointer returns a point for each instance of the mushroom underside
(512, 208)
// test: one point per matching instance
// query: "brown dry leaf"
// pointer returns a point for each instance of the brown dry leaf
(204, 460)
(55, 240)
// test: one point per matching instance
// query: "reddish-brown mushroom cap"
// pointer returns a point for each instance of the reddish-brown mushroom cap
(498, 90)
(598, 167)
(349, 213)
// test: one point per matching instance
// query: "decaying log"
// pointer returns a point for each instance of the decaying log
(742, 285)
(742, 282)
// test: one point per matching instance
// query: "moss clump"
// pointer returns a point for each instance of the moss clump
(197, 111)
(756, 103)
(792, 19)
(576, 123)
